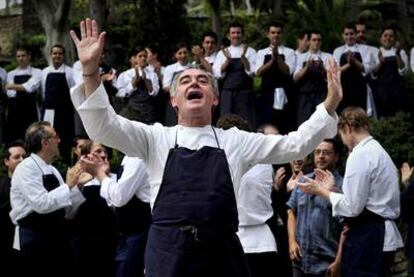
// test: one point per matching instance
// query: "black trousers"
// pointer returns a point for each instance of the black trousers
(263, 264)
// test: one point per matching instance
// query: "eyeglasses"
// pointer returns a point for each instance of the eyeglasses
(323, 152)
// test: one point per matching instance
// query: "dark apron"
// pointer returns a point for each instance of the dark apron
(237, 96)
(57, 98)
(95, 236)
(353, 84)
(387, 92)
(274, 78)
(44, 241)
(195, 218)
(133, 221)
(22, 111)
(141, 105)
(312, 91)
(363, 247)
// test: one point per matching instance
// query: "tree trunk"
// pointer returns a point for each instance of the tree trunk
(215, 16)
(353, 9)
(98, 10)
(278, 8)
(404, 19)
(248, 7)
(53, 15)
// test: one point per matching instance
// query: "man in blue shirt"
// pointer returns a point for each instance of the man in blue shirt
(313, 232)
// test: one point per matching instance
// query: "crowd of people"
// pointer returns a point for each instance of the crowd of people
(214, 179)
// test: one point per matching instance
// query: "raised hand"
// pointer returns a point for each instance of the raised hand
(90, 46)
(335, 92)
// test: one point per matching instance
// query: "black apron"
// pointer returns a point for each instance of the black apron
(312, 90)
(195, 218)
(274, 78)
(237, 96)
(44, 240)
(353, 84)
(95, 236)
(388, 91)
(141, 104)
(363, 247)
(57, 98)
(133, 221)
(21, 112)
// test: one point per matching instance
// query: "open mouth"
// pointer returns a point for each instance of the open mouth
(194, 95)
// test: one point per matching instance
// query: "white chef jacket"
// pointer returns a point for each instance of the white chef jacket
(289, 53)
(235, 52)
(370, 181)
(170, 71)
(152, 142)
(308, 56)
(31, 86)
(133, 182)
(27, 193)
(391, 53)
(124, 82)
(366, 52)
(255, 208)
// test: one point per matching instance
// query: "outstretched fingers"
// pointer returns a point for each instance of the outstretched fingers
(88, 24)
(74, 37)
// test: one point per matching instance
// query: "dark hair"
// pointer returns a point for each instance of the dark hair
(137, 50)
(355, 117)
(58, 46)
(153, 49)
(389, 27)
(87, 147)
(314, 32)
(209, 34)
(16, 143)
(275, 24)
(337, 146)
(304, 34)
(24, 49)
(180, 45)
(235, 24)
(349, 25)
(79, 137)
(232, 120)
(34, 135)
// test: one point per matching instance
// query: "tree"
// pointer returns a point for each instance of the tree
(99, 12)
(53, 15)
(161, 23)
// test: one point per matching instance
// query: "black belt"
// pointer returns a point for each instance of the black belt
(365, 218)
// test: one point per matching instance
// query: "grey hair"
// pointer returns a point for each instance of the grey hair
(213, 81)
(34, 135)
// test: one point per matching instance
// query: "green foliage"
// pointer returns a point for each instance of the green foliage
(34, 43)
(162, 24)
(396, 135)
(327, 16)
